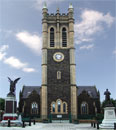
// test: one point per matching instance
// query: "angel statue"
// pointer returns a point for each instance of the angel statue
(13, 84)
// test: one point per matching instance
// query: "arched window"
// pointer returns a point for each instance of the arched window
(52, 37)
(58, 75)
(59, 106)
(64, 37)
(53, 107)
(84, 108)
(64, 107)
(34, 108)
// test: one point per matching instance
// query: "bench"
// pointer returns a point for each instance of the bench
(87, 121)
(26, 119)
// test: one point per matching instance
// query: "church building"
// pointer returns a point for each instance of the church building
(58, 95)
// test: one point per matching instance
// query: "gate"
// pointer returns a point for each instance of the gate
(60, 118)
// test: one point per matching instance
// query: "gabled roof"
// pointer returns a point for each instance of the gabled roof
(91, 90)
(27, 90)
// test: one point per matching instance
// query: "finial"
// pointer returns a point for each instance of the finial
(70, 6)
(57, 10)
(44, 6)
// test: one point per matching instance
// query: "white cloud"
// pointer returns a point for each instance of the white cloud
(39, 3)
(33, 41)
(3, 53)
(114, 52)
(14, 62)
(3, 48)
(28, 69)
(87, 47)
(92, 23)
(83, 40)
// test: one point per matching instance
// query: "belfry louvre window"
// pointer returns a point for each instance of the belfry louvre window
(52, 37)
(64, 37)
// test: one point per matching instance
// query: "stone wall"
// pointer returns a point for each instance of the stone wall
(58, 88)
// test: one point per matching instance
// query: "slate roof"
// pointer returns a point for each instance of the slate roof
(92, 91)
(28, 89)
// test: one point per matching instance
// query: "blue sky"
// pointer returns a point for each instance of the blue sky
(21, 41)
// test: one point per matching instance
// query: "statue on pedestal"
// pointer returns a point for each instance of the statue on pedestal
(13, 85)
(107, 95)
(11, 106)
(107, 98)
(109, 113)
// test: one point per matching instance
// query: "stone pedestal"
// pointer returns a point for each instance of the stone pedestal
(109, 118)
(10, 111)
(10, 107)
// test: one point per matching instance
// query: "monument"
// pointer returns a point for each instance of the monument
(109, 113)
(11, 106)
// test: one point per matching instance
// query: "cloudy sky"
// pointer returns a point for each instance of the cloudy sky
(21, 41)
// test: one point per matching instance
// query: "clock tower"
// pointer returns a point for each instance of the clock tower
(58, 90)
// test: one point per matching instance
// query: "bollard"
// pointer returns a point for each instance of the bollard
(114, 126)
(34, 122)
(8, 122)
(23, 124)
(30, 123)
(91, 124)
(94, 125)
(97, 125)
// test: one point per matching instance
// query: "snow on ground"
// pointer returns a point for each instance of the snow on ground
(52, 126)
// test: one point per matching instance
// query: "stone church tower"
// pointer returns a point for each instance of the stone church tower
(58, 96)
(58, 89)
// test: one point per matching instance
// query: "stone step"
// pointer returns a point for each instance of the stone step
(60, 121)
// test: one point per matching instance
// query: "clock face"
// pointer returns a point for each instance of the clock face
(58, 56)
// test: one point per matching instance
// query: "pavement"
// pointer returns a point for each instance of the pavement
(52, 126)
